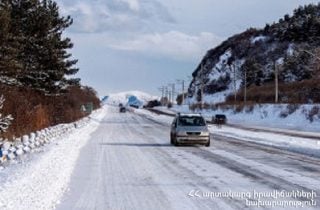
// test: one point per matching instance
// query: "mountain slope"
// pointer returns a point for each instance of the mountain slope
(289, 46)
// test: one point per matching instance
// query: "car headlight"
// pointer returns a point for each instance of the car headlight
(205, 133)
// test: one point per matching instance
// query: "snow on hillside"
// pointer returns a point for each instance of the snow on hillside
(215, 98)
(137, 98)
(223, 79)
(258, 39)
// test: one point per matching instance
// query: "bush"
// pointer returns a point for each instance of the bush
(239, 108)
(249, 108)
(301, 92)
(284, 113)
(292, 108)
(5, 121)
(195, 106)
(315, 111)
(33, 110)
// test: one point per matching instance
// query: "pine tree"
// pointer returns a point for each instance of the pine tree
(54, 60)
(42, 51)
(9, 64)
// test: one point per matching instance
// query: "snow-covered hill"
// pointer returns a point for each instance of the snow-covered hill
(288, 49)
(136, 98)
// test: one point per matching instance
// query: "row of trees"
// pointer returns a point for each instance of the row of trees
(36, 69)
(33, 51)
(302, 26)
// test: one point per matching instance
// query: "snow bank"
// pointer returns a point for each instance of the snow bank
(39, 179)
(294, 117)
(289, 143)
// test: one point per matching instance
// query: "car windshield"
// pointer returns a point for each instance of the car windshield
(191, 121)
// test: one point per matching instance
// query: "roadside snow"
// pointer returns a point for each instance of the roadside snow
(37, 181)
(281, 141)
(288, 143)
(267, 115)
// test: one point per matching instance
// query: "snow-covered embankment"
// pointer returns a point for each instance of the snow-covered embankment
(38, 180)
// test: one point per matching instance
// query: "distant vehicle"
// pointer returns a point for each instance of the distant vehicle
(219, 119)
(120, 105)
(122, 109)
(152, 104)
(189, 129)
(134, 106)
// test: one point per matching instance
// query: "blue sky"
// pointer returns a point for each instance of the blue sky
(144, 44)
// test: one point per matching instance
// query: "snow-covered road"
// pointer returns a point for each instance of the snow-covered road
(128, 163)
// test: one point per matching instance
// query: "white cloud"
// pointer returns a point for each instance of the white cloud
(115, 15)
(173, 44)
(133, 4)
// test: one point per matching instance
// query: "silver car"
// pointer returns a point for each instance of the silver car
(189, 129)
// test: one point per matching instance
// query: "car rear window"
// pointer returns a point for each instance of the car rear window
(191, 121)
(220, 116)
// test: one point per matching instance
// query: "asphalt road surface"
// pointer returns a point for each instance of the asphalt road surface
(128, 163)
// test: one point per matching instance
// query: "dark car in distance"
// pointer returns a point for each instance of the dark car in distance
(122, 109)
(219, 119)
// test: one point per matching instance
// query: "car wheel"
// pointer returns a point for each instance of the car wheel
(207, 144)
(175, 142)
(171, 139)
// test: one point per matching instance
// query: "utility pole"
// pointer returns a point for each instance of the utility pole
(182, 83)
(172, 93)
(201, 88)
(234, 83)
(166, 95)
(162, 91)
(183, 92)
(276, 71)
(189, 80)
(245, 86)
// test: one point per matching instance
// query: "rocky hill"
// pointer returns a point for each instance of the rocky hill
(289, 47)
